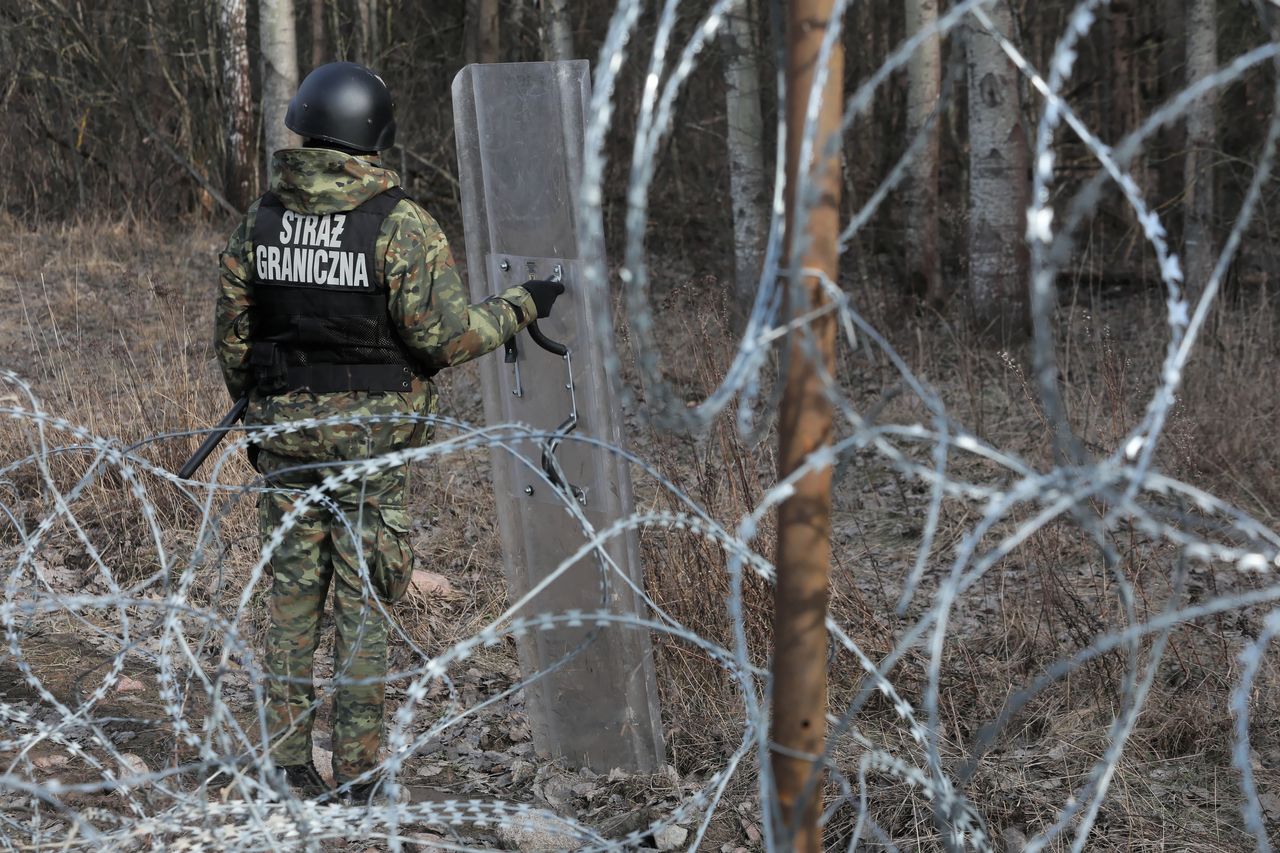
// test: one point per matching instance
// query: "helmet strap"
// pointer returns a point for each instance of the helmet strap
(337, 146)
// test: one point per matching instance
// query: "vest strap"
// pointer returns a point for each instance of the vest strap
(329, 378)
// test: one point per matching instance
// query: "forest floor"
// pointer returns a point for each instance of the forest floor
(113, 331)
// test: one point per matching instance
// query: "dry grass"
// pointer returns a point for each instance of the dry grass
(1050, 598)
(113, 331)
(1053, 596)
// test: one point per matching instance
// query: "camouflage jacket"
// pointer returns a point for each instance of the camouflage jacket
(426, 300)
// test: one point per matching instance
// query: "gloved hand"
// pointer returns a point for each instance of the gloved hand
(544, 295)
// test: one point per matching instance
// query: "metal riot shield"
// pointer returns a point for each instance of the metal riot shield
(519, 129)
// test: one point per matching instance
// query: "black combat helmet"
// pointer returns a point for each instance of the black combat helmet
(345, 103)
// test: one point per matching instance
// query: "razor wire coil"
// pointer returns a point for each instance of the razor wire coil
(195, 649)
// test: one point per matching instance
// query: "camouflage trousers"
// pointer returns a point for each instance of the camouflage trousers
(362, 545)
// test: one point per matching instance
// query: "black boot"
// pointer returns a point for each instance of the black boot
(364, 793)
(305, 780)
(223, 778)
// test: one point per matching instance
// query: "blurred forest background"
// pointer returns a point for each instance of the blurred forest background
(160, 109)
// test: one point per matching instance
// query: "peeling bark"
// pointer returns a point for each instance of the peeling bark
(746, 154)
(998, 184)
(557, 33)
(240, 183)
(1202, 61)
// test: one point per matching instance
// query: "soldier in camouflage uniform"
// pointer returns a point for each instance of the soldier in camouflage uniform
(339, 297)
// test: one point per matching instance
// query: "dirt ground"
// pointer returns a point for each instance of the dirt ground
(113, 332)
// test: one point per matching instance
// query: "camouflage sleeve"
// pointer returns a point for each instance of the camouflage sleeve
(428, 301)
(231, 320)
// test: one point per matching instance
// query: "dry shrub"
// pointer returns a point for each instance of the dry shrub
(116, 338)
(687, 574)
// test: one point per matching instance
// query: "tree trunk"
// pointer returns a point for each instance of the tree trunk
(319, 49)
(998, 184)
(1124, 117)
(1202, 61)
(799, 702)
(1168, 152)
(746, 154)
(239, 168)
(481, 36)
(367, 31)
(1124, 76)
(557, 33)
(279, 71)
(924, 85)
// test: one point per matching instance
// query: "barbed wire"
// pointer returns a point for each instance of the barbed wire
(203, 651)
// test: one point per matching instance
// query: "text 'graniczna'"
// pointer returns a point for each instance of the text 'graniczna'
(304, 255)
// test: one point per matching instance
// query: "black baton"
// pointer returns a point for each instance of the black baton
(211, 441)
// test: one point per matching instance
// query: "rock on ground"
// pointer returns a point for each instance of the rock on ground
(430, 584)
(671, 837)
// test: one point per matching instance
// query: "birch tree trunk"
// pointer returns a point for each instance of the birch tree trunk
(481, 35)
(557, 34)
(319, 49)
(239, 168)
(924, 84)
(746, 154)
(1202, 61)
(278, 37)
(998, 184)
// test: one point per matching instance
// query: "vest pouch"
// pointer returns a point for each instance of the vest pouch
(318, 332)
(270, 372)
(361, 336)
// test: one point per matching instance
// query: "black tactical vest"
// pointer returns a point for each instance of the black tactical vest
(320, 320)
